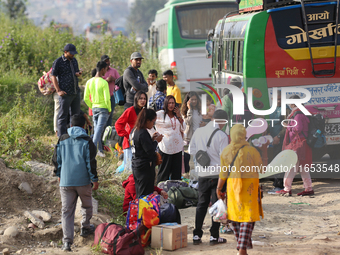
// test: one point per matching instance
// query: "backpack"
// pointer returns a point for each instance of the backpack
(110, 136)
(120, 96)
(114, 239)
(183, 197)
(153, 105)
(169, 213)
(167, 185)
(45, 83)
(202, 156)
(247, 116)
(316, 122)
(149, 205)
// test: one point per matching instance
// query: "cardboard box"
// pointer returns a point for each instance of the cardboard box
(169, 237)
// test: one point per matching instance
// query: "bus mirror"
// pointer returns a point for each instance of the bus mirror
(208, 49)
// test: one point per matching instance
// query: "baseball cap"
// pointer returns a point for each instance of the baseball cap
(104, 57)
(136, 55)
(235, 80)
(71, 48)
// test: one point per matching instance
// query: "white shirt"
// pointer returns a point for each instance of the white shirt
(172, 141)
(151, 92)
(196, 120)
(199, 142)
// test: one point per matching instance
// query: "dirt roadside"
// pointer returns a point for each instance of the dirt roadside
(292, 225)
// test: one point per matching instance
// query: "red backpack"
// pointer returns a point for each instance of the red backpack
(114, 239)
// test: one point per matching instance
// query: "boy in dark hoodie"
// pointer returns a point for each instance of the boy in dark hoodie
(130, 192)
(75, 165)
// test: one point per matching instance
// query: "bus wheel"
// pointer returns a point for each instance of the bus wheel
(318, 154)
(335, 152)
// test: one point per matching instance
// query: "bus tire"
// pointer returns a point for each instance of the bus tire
(334, 153)
(318, 154)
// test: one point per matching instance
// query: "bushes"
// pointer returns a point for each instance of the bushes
(26, 117)
(32, 50)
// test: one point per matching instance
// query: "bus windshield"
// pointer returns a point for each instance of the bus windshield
(196, 21)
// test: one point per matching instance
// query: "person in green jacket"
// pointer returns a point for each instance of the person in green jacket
(98, 88)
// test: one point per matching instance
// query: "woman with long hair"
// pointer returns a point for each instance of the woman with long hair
(171, 125)
(125, 124)
(191, 113)
(243, 199)
(297, 133)
(144, 152)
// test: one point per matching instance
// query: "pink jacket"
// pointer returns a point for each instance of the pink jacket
(301, 122)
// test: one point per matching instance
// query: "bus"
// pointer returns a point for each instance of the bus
(178, 34)
(285, 45)
(96, 30)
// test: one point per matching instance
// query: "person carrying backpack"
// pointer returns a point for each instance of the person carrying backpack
(156, 102)
(75, 165)
(133, 79)
(211, 140)
(295, 138)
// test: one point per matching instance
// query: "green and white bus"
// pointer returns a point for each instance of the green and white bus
(284, 44)
(178, 34)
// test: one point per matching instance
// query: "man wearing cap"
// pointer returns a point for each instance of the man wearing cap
(67, 71)
(133, 79)
(110, 76)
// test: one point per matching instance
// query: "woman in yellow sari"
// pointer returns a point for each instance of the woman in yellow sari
(243, 200)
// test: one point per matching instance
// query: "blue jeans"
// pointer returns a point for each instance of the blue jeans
(113, 104)
(100, 116)
(69, 104)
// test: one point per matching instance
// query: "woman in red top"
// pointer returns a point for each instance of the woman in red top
(125, 124)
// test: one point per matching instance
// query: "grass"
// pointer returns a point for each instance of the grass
(26, 116)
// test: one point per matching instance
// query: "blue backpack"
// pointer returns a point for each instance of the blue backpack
(317, 122)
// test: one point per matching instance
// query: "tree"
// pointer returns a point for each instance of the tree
(14, 8)
(142, 14)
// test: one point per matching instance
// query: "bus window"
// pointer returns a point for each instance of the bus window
(215, 54)
(235, 56)
(240, 56)
(195, 21)
(231, 46)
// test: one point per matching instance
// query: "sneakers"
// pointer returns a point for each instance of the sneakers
(66, 246)
(306, 193)
(284, 193)
(273, 191)
(219, 240)
(196, 240)
(87, 231)
(100, 154)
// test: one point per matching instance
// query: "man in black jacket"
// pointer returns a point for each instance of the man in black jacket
(133, 79)
(67, 71)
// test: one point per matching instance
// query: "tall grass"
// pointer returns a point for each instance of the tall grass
(25, 52)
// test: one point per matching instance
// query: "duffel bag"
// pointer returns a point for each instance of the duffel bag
(183, 197)
(166, 185)
(114, 239)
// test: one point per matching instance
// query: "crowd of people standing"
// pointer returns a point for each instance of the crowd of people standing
(156, 122)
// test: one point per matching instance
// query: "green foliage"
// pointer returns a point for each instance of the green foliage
(110, 194)
(31, 50)
(142, 15)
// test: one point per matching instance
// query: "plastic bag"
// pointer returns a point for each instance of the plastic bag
(219, 211)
